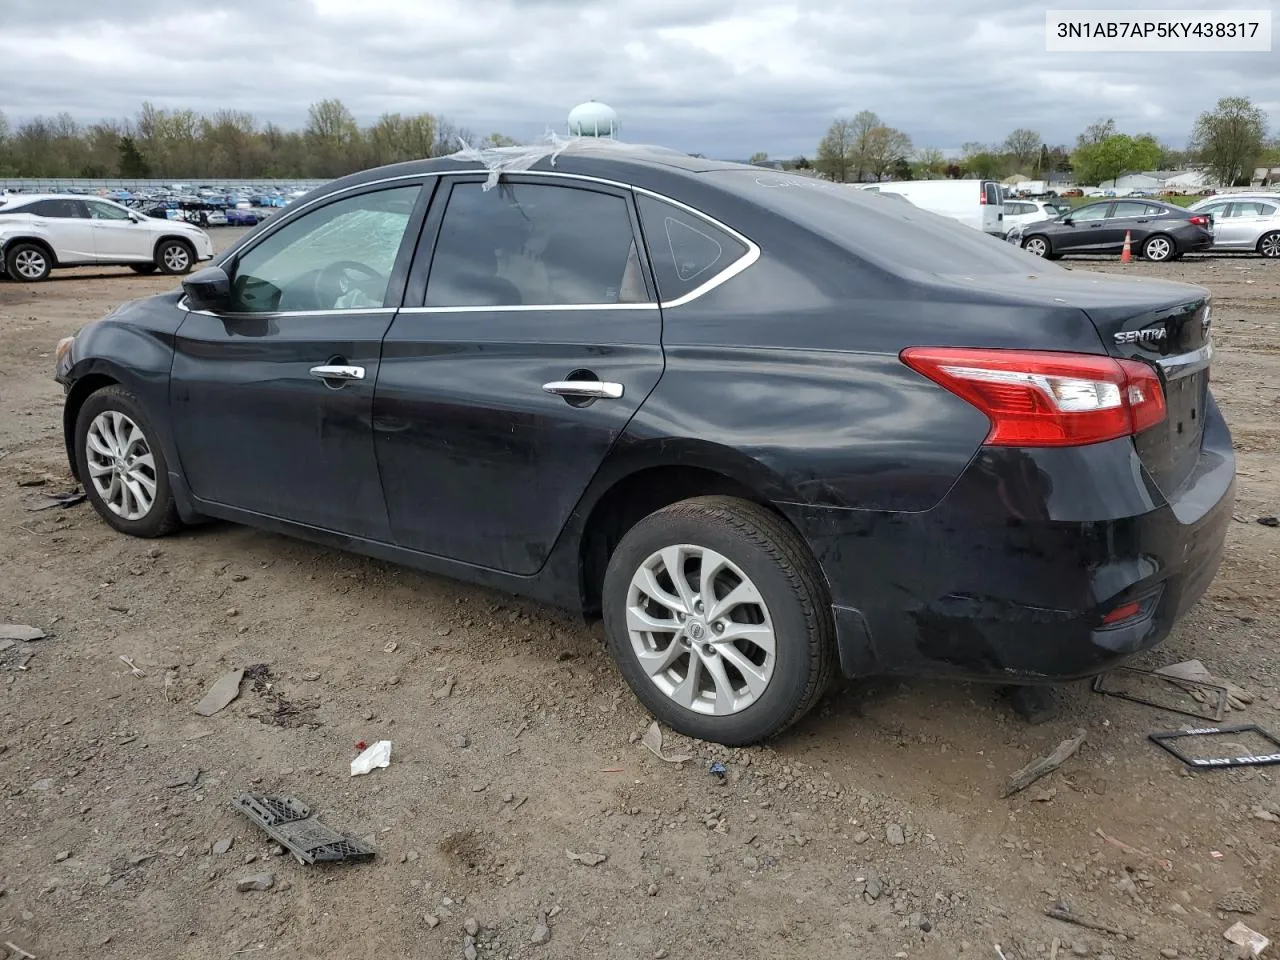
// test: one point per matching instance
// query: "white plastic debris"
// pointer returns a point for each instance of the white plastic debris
(1241, 935)
(500, 160)
(652, 740)
(378, 755)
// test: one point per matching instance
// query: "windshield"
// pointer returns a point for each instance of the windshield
(893, 235)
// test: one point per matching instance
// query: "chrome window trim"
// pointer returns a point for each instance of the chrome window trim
(1188, 363)
(532, 307)
(724, 276)
(183, 305)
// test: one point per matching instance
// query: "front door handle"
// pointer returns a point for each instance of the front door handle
(337, 371)
(586, 389)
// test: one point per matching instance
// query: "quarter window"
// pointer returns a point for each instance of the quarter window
(338, 257)
(527, 244)
(686, 250)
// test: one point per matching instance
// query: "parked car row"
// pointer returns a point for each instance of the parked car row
(1156, 230)
(40, 233)
(729, 413)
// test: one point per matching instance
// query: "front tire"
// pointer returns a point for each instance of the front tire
(1159, 248)
(1269, 245)
(1038, 246)
(175, 256)
(122, 467)
(28, 262)
(717, 616)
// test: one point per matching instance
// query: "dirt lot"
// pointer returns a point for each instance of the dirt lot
(114, 792)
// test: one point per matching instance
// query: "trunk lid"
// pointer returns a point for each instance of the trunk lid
(1171, 332)
(1162, 323)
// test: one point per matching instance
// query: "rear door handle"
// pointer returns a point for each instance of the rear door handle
(337, 371)
(595, 389)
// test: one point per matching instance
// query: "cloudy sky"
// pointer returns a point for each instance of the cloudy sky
(722, 77)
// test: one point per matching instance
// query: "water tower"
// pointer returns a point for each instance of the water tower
(592, 119)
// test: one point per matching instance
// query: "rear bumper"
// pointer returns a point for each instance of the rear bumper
(1204, 241)
(1011, 575)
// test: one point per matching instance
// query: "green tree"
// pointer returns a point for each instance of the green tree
(929, 163)
(1022, 147)
(886, 150)
(132, 164)
(333, 139)
(835, 151)
(984, 164)
(1229, 138)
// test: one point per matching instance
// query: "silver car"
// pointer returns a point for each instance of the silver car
(1244, 222)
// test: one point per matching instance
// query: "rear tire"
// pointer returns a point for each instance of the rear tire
(1159, 248)
(175, 256)
(28, 262)
(122, 468)
(142, 267)
(1269, 245)
(734, 675)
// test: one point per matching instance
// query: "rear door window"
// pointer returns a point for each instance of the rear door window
(59, 208)
(686, 250)
(1130, 209)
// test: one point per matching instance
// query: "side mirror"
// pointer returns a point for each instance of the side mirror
(208, 289)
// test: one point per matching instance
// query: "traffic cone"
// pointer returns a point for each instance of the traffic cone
(1127, 253)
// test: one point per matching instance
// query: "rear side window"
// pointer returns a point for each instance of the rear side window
(523, 244)
(686, 250)
(65, 209)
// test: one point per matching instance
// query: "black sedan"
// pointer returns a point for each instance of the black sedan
(769, 428)
(1156, 231)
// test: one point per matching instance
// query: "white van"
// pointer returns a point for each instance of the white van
(975, 203)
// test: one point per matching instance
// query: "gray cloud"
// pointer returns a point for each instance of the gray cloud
(725, 78)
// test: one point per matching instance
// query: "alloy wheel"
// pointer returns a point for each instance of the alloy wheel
(30, 264)
(1158, 248)
(176, 257)
(701, 630)
(121, 467)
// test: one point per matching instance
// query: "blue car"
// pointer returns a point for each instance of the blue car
(243, 218)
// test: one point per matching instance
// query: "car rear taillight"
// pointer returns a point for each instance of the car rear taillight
(1042, 399)
(1200, 221)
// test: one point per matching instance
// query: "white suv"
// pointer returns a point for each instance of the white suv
(38, 233)
(1020, 212)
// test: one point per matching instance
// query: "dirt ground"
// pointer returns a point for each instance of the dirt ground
(876, 828)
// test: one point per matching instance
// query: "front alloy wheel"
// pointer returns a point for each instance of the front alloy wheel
(121, 466)
(701, 630)
(175, 257)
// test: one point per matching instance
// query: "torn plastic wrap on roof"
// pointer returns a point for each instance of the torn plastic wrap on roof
(501, 160)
